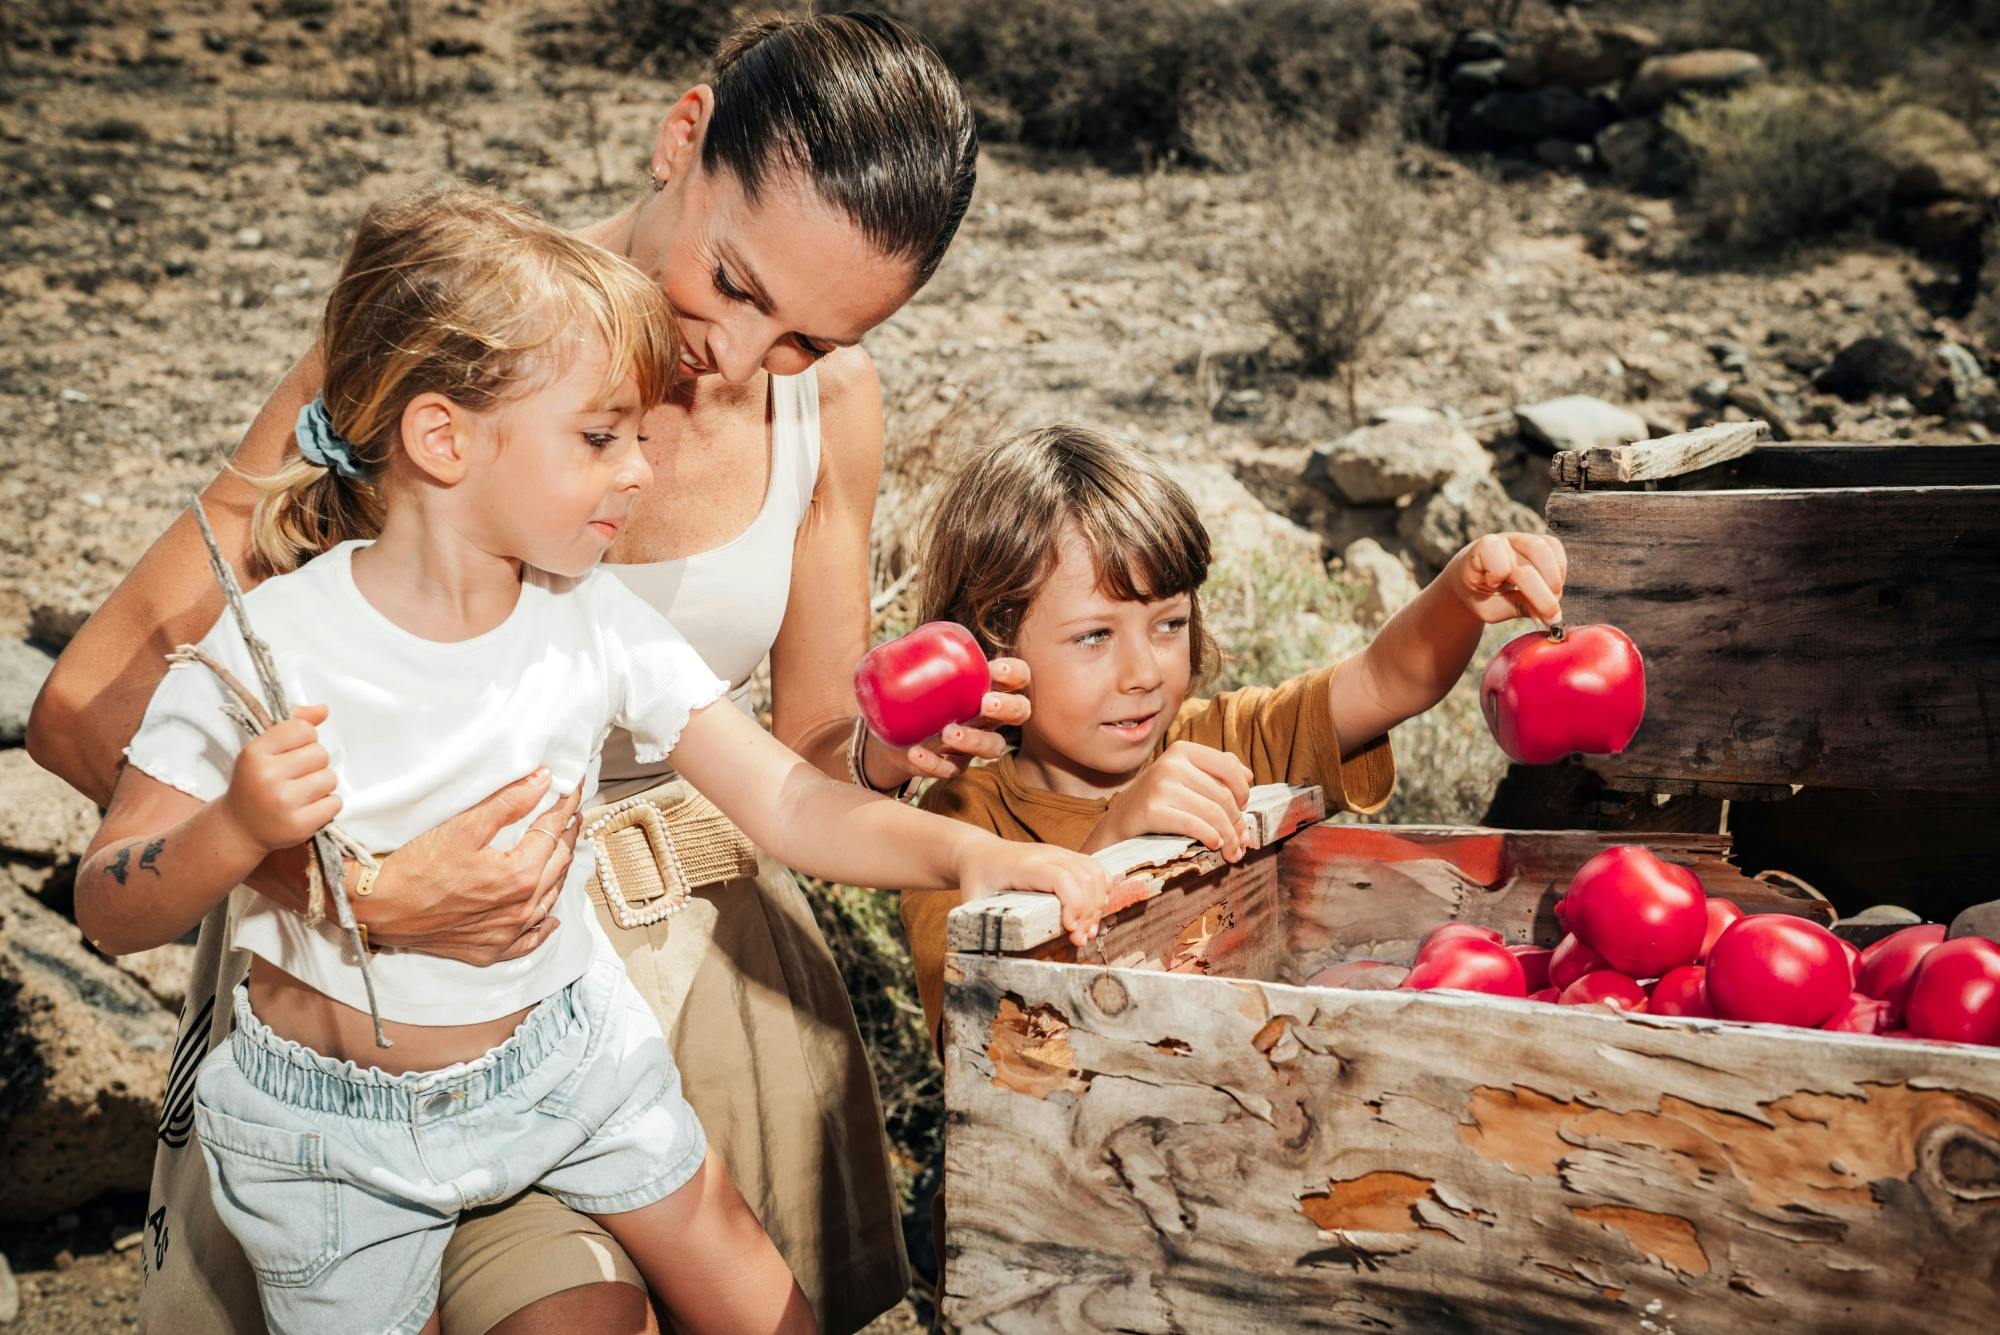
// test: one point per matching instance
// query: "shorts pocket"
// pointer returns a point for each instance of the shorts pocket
(273, 1191)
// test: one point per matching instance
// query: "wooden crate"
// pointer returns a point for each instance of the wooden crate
(1819, 615)
(1165, 1131)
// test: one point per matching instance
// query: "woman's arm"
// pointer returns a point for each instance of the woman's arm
(1420, 654)
(828, 617)
(446, 892)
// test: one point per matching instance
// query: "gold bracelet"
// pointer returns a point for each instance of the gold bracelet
(857, 763)
(364, 879)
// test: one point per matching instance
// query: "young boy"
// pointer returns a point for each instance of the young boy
(1081, 557)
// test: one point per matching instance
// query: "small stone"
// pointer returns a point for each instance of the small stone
(1710, 393)
(162, 32)
(65, 1259)
(103, 203)
(42, 818)
(1638, 224)
(1579, 422)
(1887, 913)
(1405, 413)
(250, 238)
(215, 42)
(1663, 78)
(129, 1241)
(1898, 407)
(1377, 464)
(254, 56)
(10, 1292)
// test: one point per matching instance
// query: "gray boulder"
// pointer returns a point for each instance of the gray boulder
(23, 669)
(83, 1067)
(1390, 460)
(1555, 111)
(1389, 585)
(1581, 55)
(1644, 155)
(1579, 422)
(1664, 78)
(41, 817)
(1466, 507)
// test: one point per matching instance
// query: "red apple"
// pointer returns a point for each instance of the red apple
(1955, 993)
(1534, 964)
(1682, 991)
(1576, 688)
(1571, 960)
(1644, 916)
(1470, 965)
(1457, 931)
(1860, 1015)
(1887, 965)
(1721, 913)
(1609, 986)
(1853, 954)
(1779, 969)
(1548, 994)
(918, 684)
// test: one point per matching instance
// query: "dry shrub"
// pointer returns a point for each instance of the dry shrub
(1849, 41)
(1124, 81)
(1779, 163)
(1355, 231)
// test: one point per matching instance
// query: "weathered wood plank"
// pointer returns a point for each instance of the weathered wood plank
(1370, 892)
(1837, 638)
(1138, 1151)
(1022, 921)
(1828, 464)
(1662, 457)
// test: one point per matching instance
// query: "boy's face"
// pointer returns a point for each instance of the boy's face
(1107, 675)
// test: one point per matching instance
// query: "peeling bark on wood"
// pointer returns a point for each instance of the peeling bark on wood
(1130, 1149)
(1441, 1163)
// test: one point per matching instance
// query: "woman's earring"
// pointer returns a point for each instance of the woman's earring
(659, 181)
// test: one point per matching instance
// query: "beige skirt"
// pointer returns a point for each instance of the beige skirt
(757, 1018)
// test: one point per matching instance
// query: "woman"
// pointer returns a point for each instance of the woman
(796, 202)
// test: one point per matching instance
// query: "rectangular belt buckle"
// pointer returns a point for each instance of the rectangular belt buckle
(640, 905)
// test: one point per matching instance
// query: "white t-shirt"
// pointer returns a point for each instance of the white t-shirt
(420, 730)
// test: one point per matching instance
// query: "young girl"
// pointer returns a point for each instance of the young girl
(1081, 557)
(485, 377)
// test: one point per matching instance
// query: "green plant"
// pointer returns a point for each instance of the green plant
(1779, 163)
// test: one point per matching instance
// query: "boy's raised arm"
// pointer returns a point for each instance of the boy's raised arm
(1421, 653)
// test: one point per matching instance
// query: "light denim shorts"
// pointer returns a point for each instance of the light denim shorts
(344, 1184)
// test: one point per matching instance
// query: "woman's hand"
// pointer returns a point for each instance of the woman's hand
(993, 864)
(448, 892)
(1505, 575)
(1192, 790)
(951, 752)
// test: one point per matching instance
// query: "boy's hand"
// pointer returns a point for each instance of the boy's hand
(281, 789)
(1505, 575)
(1191, 790)
(994, 864)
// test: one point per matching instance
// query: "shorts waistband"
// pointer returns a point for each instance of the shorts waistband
(293, 1072)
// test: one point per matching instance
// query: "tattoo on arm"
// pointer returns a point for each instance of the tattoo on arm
(120, 866)
(151, 856)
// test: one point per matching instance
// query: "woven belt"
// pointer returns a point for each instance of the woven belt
(654, 848)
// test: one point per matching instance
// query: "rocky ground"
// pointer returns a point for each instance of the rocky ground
(174, 195)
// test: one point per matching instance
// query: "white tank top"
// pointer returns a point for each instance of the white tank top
(729, 601)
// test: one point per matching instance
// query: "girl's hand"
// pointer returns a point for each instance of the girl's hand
(994, 864)
(1190, 790)
(281, 788)
(1505, 575)
(449, 893)
(951, 752)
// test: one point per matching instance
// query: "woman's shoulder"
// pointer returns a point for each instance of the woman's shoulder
(848, 382)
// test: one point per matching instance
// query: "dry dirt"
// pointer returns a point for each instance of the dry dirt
(173, 205)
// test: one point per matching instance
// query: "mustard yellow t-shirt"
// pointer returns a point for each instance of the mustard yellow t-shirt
(1284, 733)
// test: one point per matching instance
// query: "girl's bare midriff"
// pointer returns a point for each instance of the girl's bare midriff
(295, 1011)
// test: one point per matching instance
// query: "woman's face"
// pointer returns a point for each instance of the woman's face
(771, 285)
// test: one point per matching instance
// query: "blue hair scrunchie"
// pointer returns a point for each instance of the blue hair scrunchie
(322, 445)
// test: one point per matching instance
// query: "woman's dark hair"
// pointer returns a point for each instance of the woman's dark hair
(865, 109)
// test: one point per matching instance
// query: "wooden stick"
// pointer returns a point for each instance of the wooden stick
(326, 847)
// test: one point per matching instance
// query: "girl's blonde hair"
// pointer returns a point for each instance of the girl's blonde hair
(994, 538)
(460, 293)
